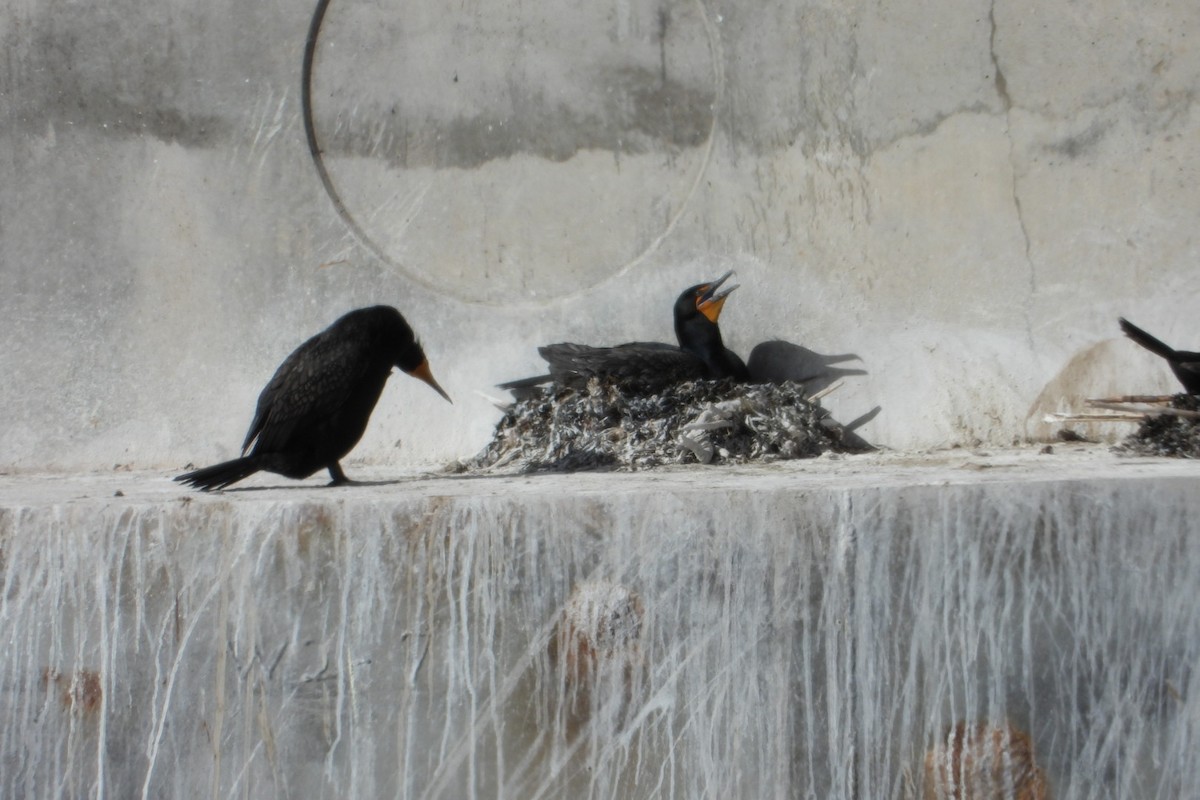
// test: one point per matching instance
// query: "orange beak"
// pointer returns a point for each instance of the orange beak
(709, 301)
(422, 371)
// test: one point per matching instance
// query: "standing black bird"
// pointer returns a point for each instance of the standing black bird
(316, 407)
(1185, 365)
(652, 366)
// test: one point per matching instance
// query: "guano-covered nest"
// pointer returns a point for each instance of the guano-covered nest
(603, 427)
(1167, 434)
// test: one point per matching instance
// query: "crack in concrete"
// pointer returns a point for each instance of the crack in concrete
(1006, 99)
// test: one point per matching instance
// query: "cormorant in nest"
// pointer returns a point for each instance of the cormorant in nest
(648, 367)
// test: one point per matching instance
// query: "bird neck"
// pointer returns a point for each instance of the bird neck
(701, 338)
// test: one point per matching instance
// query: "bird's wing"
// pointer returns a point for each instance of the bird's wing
(1189, 364)
(638, 362)
(525, 383)
(735, 367)
(310, 385)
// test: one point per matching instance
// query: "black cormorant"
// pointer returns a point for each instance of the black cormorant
(315, 409)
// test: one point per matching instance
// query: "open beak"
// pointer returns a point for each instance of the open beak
(709, 301)
(422, 372)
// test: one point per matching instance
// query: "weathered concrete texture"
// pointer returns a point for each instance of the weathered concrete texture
(805, 630)
(965, 194)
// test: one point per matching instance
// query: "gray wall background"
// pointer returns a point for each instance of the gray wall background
(966, 194)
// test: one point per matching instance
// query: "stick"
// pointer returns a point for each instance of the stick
(1149, 411)
(828, 390)
(1056, 417)
(1133, 398)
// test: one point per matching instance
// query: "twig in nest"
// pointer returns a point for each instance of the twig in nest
(1161, 399)
(1145, 410)
(828, 390)
(1057, 417)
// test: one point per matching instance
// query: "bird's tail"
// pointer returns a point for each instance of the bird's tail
(525, 383)
(1146, 340)
(220, 475)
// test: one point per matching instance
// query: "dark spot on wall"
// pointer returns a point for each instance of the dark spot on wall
(665, 111)
(1080, 143)
(639, 113)
(77, 691)
(119, 118)
(115, 70)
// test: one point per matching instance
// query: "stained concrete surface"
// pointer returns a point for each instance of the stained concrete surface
(966, 195)
(810, 629)
(1085, 463)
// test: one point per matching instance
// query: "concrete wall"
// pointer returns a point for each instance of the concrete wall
(965, 194)
(806, 631)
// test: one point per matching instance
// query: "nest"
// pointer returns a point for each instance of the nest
(1165, 434)
(605, 427)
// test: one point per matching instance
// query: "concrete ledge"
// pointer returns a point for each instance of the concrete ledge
(806, 629)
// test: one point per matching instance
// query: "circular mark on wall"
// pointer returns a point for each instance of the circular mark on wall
(511, 153)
